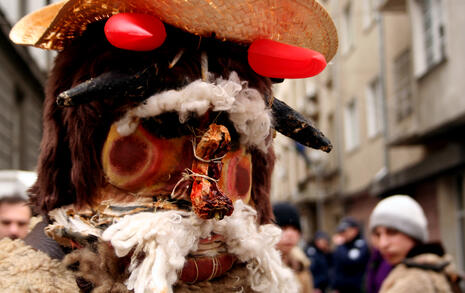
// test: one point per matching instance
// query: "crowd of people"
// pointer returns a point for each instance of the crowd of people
(397, 258)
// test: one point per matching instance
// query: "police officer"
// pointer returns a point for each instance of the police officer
(350, 257)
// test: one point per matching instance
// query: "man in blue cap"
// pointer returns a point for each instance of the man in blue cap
(350, 257)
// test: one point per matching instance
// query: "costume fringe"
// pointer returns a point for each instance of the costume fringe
(160, 241)
(255, 245)
(164, 238)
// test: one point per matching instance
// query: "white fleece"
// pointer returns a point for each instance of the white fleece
(246, 107)
(166, 237)
(255, 245)
(73, 223)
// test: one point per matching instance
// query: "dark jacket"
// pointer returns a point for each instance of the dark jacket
(350, 260)
(321, 265)
(377, 270)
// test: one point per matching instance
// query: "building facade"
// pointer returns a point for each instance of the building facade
(22, 76)
(392, 102)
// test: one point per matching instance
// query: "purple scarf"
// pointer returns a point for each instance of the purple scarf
(378, 269)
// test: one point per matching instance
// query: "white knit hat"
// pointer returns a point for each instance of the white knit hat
(402, 213)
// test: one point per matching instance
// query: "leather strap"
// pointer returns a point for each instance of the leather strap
(38, 240)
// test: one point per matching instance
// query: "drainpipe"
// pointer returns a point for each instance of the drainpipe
(382, 81)
(339, 119)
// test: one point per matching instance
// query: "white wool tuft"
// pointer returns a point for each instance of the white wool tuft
(246, 108)
(256, 246)
(166, 237)
(74, 223)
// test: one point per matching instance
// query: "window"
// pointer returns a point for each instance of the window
(332, 135)
(20, 127)
(31, 132)
(402, 85)
(9, 11)
(7, 119)
(352, 136)
(347, 28)
(428, 34)
(311, 101)
(329, 77)
(26, 131)
(368, 12)
(374, 107)
(310, 88)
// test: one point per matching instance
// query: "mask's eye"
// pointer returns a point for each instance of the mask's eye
(135, 31)
(137, 161)
(236, 175)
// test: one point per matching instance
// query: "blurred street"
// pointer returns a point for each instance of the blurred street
(392, 104)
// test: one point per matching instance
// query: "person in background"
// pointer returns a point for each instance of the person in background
(15, 216)
(319, 252)
(287, 217)
(399, 227)
(350, 257)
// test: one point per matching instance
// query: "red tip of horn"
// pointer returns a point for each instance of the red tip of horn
(135, 31)
(273, 59)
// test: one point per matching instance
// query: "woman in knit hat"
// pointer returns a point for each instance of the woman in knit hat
(399, 227)
(287, 218)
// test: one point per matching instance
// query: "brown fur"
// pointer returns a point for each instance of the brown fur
(98, 272)
(101, 271)
(69, 169)
(262, 165)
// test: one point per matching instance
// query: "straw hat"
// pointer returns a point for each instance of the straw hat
(303, 23)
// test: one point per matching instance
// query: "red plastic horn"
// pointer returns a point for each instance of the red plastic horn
(273, 59)
(135, 31)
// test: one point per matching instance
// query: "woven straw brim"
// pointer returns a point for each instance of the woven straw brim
(303, 23)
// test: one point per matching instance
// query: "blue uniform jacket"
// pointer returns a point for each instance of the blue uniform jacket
(350, 261)
(321, 265)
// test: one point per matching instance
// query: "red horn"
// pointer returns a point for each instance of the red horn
(277, 60)
(135, 31)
